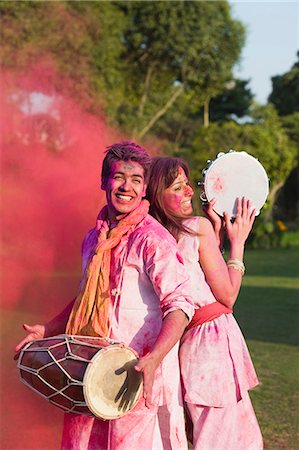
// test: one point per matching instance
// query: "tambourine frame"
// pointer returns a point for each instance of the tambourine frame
(232, 175)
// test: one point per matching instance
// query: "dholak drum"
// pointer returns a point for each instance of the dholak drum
(83, 375)
(232, 175)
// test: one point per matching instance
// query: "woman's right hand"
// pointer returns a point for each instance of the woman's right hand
(34, 332)
(217, 221)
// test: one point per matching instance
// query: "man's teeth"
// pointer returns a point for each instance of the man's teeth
(187, 202)
(124, 197)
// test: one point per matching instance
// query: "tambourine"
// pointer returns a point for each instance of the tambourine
(232, 175)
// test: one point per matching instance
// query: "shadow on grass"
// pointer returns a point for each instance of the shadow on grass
(269, 314)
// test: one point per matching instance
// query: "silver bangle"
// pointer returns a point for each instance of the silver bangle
(236, 264)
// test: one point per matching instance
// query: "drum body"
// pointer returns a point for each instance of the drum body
(82, 374)
(232, 175)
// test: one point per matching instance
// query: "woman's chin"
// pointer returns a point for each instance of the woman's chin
(187, 211)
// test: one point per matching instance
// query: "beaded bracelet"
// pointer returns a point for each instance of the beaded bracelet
(236, 264)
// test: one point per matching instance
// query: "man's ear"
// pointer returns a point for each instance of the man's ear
(144, 190)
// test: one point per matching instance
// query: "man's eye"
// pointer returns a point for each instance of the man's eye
(136, 180)
(179, 188)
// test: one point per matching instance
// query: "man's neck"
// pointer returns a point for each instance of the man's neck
(113, 219)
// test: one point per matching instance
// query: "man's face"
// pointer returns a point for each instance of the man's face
(124, 187)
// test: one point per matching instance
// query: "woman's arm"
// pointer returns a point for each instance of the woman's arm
(225, 282)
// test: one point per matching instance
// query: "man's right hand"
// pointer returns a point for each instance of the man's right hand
(34, 332)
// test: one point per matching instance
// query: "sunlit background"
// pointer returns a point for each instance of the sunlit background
(78, 76)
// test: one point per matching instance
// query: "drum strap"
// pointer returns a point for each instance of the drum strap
(207, 313)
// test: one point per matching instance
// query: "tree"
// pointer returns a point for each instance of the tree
(234, 101)
(285, 91)
(176, 48)
(81, 39)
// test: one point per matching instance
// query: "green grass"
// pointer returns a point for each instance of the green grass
(267, 311)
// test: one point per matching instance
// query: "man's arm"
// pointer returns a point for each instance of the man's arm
(173, 326)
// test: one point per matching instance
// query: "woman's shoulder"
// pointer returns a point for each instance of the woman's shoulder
(199, 224)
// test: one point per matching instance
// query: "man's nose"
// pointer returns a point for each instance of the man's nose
(125, 185)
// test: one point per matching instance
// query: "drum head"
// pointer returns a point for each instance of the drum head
(111, 386)
(233, 175)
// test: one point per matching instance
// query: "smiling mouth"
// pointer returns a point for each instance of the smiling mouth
(124, 197)
(186, 203)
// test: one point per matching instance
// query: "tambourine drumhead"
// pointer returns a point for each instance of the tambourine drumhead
(82, 374)
(111, 385)
(233, 175)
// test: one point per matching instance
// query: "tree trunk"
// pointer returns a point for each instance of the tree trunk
(206, 119)
(272, 197)
(162, 111)
(143, 98)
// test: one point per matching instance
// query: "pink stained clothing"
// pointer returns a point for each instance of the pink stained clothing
(231, 428)
(147, 281)
(216, 366)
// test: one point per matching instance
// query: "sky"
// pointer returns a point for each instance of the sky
(272, 42)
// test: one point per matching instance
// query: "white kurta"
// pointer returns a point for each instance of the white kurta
(216, 368)
(147, 271)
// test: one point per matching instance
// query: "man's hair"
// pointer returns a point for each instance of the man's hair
(164, 171)
(126, 151)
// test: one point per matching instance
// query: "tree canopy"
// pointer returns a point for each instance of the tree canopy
(285, 91)
(153, 67)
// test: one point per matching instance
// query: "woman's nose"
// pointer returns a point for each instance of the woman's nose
(188, 190)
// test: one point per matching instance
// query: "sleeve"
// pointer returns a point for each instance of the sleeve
(164, 266)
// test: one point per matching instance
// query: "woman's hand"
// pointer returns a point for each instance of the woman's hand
(217, 221)
(238, 230)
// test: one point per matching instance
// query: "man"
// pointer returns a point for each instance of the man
(135, 290)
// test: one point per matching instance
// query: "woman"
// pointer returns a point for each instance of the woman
(216, 367)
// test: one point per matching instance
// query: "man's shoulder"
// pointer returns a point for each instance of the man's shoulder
(89, 240)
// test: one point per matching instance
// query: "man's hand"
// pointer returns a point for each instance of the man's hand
(148, 366)
(34, 332)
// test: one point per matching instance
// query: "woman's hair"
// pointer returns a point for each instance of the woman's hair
(164, 171)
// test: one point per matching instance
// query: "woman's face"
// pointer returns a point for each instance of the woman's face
(177, 197)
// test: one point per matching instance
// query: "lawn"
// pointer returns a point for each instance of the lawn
(267, 311)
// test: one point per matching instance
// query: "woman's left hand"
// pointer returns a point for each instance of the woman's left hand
(239, 229)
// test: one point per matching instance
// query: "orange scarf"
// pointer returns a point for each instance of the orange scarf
(90, 313)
